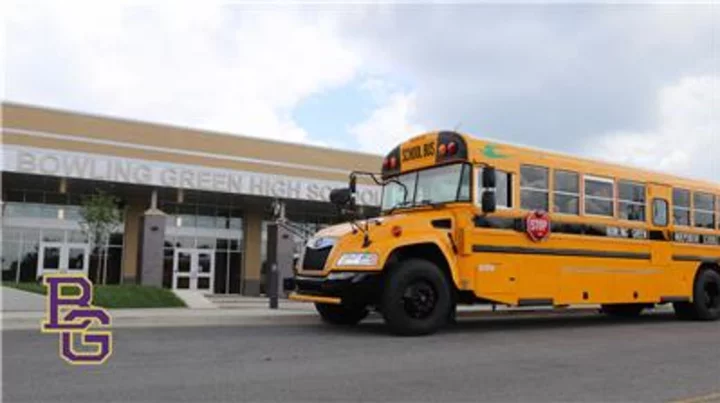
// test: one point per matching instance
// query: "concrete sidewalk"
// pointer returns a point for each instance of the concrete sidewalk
(17, 300)
(255, 313)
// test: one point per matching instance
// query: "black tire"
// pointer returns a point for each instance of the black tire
(706, 298)
(416, 298)
(341, 314)
(623, 310)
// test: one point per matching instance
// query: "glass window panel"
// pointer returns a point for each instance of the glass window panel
(205, 221)
(203, 283)
(116, 239)
(234, 272)
(29, 261)
(534, 177)
(221, 272)
(566, 204)
(222, 222)
(221, 244)
(681, 198)
(438, 185)
(534, 200)
(632, 212)
(53, 235)
(704, 201)
(14, 196)
(566, 181)
(51, 257)
(660, 212)
(31, 237)
(184, 242)
(464, 191)
(77, 236)
(34, 197)
(76, 258)
(236, 223)
(599, 207)
(631, 192)
(503, 191)
(10, 234)
(704, 220)
(11, 254)
(681, 216)
(72, 213)
(183, 263)
(183, 283)
(56, 198)
(114, 264)
(204, 263)
(598, 188)
(235, 245)
(205, 243)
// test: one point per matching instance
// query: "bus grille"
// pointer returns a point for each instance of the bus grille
(315, 258)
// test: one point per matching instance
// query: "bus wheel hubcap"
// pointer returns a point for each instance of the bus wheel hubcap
(419, 299)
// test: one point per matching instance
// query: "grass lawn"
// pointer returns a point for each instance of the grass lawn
(119, 296)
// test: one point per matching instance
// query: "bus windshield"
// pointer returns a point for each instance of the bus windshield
(443, 184)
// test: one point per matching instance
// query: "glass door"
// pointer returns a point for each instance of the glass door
(58, 257)
(193, 269)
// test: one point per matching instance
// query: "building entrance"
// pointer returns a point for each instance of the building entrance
(60, 257)
(193, 269)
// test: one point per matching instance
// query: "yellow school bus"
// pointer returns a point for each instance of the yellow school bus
(467, 221)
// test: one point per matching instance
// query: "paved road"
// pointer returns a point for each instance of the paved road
(587, 358)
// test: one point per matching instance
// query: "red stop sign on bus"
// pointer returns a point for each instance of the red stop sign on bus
(537, 225)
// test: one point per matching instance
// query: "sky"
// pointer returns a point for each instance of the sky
(637, 84)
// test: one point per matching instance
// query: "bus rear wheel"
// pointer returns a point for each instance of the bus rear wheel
(416, 298)
(706, 298)
(623, 310)
(341, 314)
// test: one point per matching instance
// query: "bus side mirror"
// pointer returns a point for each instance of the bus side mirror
(488, 177)
(489, 203)
(340, 196)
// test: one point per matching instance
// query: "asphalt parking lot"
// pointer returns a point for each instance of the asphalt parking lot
(586, 358)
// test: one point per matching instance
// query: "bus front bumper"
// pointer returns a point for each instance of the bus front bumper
(347, 288)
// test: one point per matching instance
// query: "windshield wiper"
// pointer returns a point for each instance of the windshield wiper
(428, 202)
(402, 204)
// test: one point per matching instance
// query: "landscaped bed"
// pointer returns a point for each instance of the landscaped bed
(119, 296)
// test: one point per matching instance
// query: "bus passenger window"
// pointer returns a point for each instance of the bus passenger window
(704, 210)
(599, 196)
(566, 192)
(534, 188)
(631, 201)
(660, 212)
(681, 207)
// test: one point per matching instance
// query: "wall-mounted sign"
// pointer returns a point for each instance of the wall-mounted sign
(69, 164)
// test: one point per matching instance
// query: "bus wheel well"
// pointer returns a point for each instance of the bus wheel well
(426, 251)
(709, 266)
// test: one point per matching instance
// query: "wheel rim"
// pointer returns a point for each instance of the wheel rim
(419, 299)
(712, 295)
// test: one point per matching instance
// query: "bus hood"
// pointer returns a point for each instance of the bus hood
(339, 230)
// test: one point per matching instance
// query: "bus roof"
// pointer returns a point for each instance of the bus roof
(500, 153)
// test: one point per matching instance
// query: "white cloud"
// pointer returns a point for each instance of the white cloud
(391, 123)
(236, 69)
(686, 140)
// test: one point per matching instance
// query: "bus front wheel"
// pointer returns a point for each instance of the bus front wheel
(416, 298)
(341, 314)
(706, 298)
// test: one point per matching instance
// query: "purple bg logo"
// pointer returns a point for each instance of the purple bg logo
(73, 318)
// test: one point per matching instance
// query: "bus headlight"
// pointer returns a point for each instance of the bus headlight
(357, 259)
